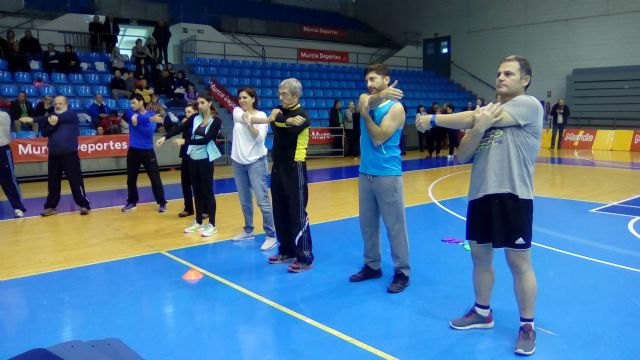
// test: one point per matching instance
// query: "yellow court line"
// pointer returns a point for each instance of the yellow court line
(286, 310)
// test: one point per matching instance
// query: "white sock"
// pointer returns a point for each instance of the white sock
(533, 326)
(483, 312)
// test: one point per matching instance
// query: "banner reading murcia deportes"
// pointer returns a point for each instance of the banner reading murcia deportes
(320, 136)
(635, 141)
(222, 95)
(323, 55)
(89, 147)
(578, 139)
(322, 32)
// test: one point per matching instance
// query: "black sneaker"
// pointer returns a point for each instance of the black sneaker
(399, 283)
(366, 273)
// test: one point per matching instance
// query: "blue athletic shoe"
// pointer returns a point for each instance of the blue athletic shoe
(128, 207)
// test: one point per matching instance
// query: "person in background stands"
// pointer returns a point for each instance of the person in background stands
(69, 61)
(44, 107)
(110, 31)
(348, 130)
(142, 125)
(8, 180)
(30, 46)
(560, 116)
(51, 59)
(95, 32)
(63, 130)
(335, 121)
(20, 108)
(422, 136)
(162, 34)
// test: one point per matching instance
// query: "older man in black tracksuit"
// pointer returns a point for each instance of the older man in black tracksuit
(62, 130)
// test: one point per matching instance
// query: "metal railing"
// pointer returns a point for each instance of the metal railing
(492, 87)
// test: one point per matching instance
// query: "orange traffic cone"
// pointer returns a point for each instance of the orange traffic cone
(192, 276)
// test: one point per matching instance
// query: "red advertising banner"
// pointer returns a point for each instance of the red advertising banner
(578, 139)
(221, 95)
(320, 137)
(89, 147)
(635, 141)
(323, 55)
(324, 32)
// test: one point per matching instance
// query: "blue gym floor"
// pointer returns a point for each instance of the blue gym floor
(587, 263)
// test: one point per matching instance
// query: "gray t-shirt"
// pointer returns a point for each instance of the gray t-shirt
(505, 158)
(5, 129)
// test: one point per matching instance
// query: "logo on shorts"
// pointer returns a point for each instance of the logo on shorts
(520, 241)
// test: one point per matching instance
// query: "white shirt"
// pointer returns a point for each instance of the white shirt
(5, 129)
(245, 148)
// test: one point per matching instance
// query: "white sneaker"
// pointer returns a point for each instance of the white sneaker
(449, 157)
(18, 213)
(209, 230)
(269, 243)
(243, 236)
(193, 228)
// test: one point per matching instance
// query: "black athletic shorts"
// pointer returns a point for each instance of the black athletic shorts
(503, 220)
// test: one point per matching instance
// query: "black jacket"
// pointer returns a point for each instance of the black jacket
(565, 114)
(16, 111)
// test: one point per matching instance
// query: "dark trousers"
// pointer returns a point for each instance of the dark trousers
(146, 158)
(559, 129)
(201, 174)
(434, 139)
(290, 195)
(453, 140)
(8, 179)
(185, 181)
(164, 49)
(422, 140)
(69, 164)
(351, 142)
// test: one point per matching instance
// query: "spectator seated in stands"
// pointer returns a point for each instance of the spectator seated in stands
(139, 52)
(180, 85)
(191, 94)
(10, 43)
(19, 108)
(17, 60)
(142, 70)
(117, 60)
(38, 83)
(103, 118)
(163, 84)
(154, 53)
(30, 46)
(118, 86)
(129, 81)
(144, 90)
(44, 107)
(51, 59)
(69, 60)
(171, 71)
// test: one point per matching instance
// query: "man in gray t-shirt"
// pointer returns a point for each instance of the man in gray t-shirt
(503, 142)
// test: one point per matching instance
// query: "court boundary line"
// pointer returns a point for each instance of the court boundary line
(284, 309)
(617, 203)
(631, 227)
(430, 194)
(621, 166)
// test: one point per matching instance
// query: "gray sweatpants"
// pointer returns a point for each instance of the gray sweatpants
(383, 195)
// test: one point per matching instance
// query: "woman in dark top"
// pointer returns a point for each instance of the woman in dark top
(95, 30)
(202, 130)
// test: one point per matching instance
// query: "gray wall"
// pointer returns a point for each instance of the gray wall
(556, 35)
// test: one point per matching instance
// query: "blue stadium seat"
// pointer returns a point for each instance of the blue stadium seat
(30, 90)
(40, 75)
(101, 89)
(105, 78)
(267, 103)
(88, 132)
(83, 90)
(112, 104)
(190, 60)
(215, 62)
(9, 90)
(314, 114)
(3, 64)
(22, 77)
(92, 78)
(48, 90)
(75, 78)
(59, 78)
(268, 142)
(223, 80)
(200, 70)
(123, 104)
(6, 77)
(66, 90)
(25, 135)
(212, 70)
(75, 104)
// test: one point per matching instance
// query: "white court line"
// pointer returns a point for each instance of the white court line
(631, 227)
(616, 203)
(430, 192)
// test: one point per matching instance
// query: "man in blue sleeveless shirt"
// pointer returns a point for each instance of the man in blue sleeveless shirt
(380, 183)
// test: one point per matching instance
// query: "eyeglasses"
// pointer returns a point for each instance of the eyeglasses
(284, 95)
